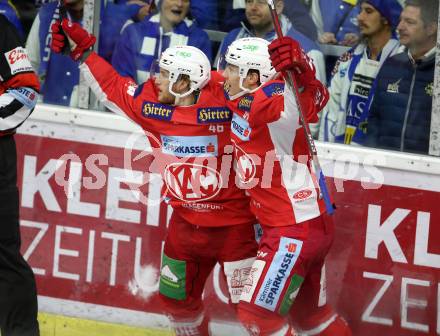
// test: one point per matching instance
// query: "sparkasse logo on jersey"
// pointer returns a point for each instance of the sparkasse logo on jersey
(157, 111)
(240, 127)
(207, 115)
(278, 273)
(190, 146)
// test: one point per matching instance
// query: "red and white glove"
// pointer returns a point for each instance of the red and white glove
(79, 40)
(287, 55)
(314, 98)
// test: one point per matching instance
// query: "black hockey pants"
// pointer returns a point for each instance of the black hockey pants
(18, 294)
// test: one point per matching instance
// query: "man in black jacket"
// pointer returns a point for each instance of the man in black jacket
(18, 95)
(400, 115)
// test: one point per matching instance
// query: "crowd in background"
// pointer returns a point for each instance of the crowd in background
(381, 87)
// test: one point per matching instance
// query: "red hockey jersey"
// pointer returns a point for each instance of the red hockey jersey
(191, 145)
(271, 156)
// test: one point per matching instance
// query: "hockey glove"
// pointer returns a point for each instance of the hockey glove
(287, 55)
(79, 39)
(314, 98)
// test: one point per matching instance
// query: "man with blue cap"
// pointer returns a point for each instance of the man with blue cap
(353, 84)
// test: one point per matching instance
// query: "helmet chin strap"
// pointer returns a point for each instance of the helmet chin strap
(179, 95)
(243, 90)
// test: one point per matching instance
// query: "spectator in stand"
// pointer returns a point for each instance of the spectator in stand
(142, 43)
(9, 11)
(260, 25)
(354, 77)
(116, 17)
(339, 24)
(206, 13)
(301, 20)
(400, 116)
(59, 74)
(234, 16)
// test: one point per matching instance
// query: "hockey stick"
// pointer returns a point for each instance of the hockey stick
(59, 14)
(310, 142)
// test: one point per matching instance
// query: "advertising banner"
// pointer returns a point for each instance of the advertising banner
(93, 226)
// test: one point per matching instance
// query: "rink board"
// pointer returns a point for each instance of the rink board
(89, 237)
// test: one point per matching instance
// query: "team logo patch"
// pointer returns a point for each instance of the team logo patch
(157, 111)
(18, 60)
(394, 87)
(190, 182)
(237, 276)
(274, 89)
(208, 115)
(252, 280)
(240, 127)
(173, 278)
(131, 88)
(245, 103)
(429, 89)
(190, 146)
(244, 165)
(279, 270)
(302, 195)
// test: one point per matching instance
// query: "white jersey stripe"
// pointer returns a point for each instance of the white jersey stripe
(17, 118)
(100, 94)
(296, 177)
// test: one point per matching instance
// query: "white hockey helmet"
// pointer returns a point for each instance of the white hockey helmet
(251, 53)
(186, 60)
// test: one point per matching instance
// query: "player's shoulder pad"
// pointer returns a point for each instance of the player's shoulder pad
(216, 77)
(273, 88)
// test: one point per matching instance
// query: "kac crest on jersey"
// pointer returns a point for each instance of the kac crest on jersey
(192, 182)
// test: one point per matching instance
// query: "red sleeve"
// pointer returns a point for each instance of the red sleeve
(15, 68)
(28, 79)
(119, 94)
(268, 103)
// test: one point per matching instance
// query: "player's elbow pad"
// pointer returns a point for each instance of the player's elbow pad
(25, 95)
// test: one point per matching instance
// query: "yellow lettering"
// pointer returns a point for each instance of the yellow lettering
(147, 109)
(203, 115)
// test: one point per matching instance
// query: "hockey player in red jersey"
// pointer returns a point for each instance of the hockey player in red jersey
(272, 162)
(188, 124)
